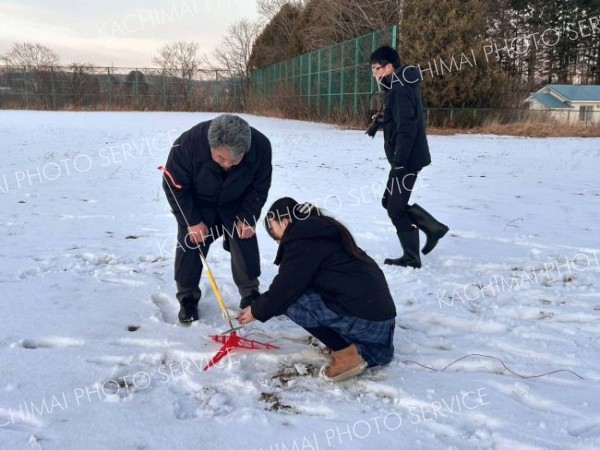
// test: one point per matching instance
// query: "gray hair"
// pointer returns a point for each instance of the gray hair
(232, 132)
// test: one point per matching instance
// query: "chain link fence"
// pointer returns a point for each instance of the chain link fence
(329, 83)
(115, 88)
(477, 117)
(332, 84)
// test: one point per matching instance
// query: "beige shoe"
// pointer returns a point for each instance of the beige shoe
(344, 364)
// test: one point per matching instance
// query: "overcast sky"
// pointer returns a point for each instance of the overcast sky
(117, 32)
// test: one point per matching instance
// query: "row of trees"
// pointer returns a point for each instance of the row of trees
(182, 79)
(293, 27)
(512, 46)
(473, 53)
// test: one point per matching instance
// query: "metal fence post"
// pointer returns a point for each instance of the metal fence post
(52, 88)
(319, 82)
(309, 91)
(329, 84)
(294, 72)
(25, 89)
(356, 64)
(299, 77)
(136, 89)
(235, 99)
(110, 88)
(164, 90)
(217, 89)
(190, 95)
(587, 115)
(341, 76)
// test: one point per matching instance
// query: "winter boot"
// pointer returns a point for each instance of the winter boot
(344, 364)
(248, 299)
(409, 240)
(188, 310)
(433, 229)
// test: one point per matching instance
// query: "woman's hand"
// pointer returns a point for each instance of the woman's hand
(245, 316)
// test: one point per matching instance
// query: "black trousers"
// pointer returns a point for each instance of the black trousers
(396, 197)
(188, 266)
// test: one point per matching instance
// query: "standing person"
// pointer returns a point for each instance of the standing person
(217, 179)
(330, 287)
(407, 152)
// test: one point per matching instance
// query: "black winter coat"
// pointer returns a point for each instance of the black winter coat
(403, 122)
(311, 256)
(210, 195)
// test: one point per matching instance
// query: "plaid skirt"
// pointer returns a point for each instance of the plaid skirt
(374, 339)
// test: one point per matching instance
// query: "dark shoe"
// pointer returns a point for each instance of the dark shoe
(248, 299)
(188, 310)
(433, 229)
(409, 240)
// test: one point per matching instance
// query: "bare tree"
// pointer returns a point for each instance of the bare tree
(344, 19)
(30, 54)
(180, 62)
(236, 47)
(37, 64)
(235, 52)
(327, 22)
(178, 59)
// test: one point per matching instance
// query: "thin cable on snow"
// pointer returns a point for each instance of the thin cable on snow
(496, 359)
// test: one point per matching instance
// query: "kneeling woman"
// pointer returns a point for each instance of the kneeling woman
(330, 287)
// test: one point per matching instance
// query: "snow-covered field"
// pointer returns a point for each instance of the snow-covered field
(92, 356)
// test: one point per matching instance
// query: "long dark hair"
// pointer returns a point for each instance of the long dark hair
(288, 208)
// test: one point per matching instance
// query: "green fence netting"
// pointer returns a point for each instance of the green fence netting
(324, 82)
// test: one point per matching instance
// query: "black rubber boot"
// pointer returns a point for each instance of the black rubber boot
(188, 310)
(247, 300)
(433, 229)
(409, 240)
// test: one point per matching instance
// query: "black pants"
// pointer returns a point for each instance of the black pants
(188, 266)
(396, 197)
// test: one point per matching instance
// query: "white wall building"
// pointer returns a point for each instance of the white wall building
(568, 102)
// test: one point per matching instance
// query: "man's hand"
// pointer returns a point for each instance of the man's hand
(244, 230)
(198, 233)
(375, 125)
(245, 316)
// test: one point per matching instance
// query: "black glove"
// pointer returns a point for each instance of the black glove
(375, 125)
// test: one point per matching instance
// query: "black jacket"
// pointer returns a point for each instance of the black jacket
(210, 195)
(403, 122)
(311, 256)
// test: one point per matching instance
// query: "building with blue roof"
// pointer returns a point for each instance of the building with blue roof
(568, 102)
